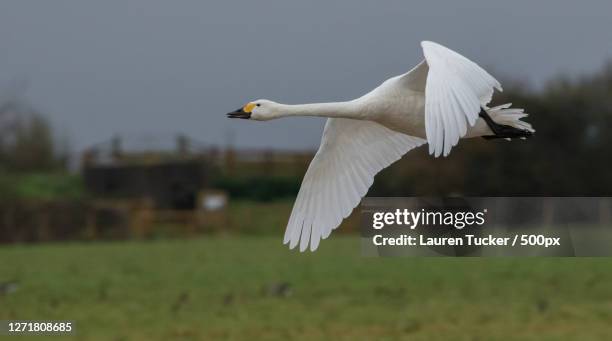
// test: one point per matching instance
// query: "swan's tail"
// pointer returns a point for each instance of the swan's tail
(504, 115)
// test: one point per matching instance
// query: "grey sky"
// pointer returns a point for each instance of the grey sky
(137, 66)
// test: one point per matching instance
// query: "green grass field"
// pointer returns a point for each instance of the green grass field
(229, 288)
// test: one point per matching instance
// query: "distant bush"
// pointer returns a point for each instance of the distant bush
(41, 186)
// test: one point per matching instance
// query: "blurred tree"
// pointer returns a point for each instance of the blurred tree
(26, 140)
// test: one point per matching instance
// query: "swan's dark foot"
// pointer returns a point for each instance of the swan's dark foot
(502, 131)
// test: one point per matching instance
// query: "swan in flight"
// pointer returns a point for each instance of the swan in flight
(441, 100)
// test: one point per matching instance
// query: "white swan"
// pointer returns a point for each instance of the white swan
(442, 99)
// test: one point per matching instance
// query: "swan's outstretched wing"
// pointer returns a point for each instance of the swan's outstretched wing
(455, 89)
(340, 174)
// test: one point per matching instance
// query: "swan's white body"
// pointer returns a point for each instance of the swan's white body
(437, 102)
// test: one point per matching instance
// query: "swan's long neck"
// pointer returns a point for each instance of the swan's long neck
(332, 109)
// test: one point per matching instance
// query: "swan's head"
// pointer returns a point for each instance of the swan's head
(259, 110)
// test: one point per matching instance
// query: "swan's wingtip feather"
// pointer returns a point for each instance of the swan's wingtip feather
(427, 43)
(314, 246)
(287, 237)
(294, 243)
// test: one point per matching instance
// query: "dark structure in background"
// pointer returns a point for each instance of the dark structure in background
(170, 180)
(169, 184)
(131, 192)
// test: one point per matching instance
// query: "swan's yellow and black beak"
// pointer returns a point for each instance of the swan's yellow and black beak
(244, 112)
(240, 113)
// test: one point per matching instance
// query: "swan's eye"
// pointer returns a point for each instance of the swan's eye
(259, 105)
